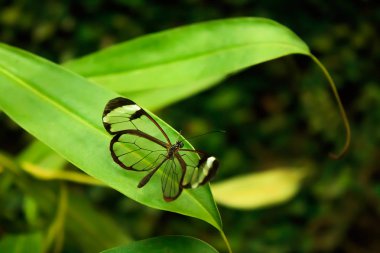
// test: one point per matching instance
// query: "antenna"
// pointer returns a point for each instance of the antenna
(211, 132)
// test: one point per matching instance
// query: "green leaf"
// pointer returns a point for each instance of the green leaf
(197, 56)
(165, 244)
(169, 95)
(64, 111)
(258, 190)
(22, 243)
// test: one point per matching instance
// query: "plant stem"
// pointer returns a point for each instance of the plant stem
(341, 109)
(226, 241)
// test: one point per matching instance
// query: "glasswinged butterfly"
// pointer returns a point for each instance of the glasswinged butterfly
(140, 144)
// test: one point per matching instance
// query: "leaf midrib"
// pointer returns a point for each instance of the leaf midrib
(189, 57)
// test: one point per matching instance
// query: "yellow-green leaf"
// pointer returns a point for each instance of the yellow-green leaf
(259, 189)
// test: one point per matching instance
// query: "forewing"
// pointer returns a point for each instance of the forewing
(172, 176)
(122, 114)
(200, 168)
(135, 150)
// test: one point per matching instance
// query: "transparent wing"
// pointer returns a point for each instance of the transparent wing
(122, 114)
(172, 176)
(200, 168)
(135, 150)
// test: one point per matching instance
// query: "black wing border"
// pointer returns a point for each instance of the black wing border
(121, 101)
(203, 158)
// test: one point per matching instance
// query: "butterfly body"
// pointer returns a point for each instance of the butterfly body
(140, 144)
(174, 149)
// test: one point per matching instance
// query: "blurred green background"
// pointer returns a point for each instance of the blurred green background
(279, 113)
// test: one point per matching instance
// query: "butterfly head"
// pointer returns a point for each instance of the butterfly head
(179, 144)
(174, 148)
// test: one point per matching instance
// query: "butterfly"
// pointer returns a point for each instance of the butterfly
(140, 144)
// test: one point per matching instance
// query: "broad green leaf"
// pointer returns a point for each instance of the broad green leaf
(259, 189)
(165, 244)
(64, 111)
(196, 55)
(22, 243)
(168, 95)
